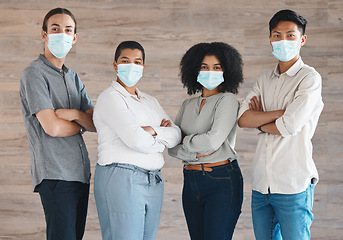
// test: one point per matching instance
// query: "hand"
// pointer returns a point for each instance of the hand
(149, 130)
(203, 154)
(67, 114)
(255, 104)
(165, 123)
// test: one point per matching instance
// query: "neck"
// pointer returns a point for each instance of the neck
(57, 62)
(284, 66)
(209, 93)
(131, 90)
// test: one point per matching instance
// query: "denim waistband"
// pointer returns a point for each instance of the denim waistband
(152, 174)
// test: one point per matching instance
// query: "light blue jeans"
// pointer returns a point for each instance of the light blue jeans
(282, 216)
(129, 201)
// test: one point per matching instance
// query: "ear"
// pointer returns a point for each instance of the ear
(115, 66)
(270, 41)
(44, 36)
(75, 38)
(303, 40)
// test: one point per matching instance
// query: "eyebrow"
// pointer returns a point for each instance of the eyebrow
(55, 24)
(286, 32)
(128, 58)
(206, 64)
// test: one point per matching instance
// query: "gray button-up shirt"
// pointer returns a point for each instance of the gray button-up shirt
(44, 86)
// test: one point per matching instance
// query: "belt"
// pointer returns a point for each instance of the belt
(207, 167)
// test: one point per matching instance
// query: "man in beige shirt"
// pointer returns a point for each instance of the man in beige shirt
(285, 105)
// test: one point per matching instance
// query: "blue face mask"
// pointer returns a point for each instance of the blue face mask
(210, 79)
(60, 44)
(285, 50)
(130, 73)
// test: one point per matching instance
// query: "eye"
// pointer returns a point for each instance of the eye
(217, 68)
(203, 67)
(138, 62)
(68, 30)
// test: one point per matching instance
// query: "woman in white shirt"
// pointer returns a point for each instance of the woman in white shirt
(133, 131)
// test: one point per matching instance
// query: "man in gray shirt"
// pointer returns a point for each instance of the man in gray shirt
(57, 110)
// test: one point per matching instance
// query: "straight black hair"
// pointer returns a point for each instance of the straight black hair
(54, 12)
(287, 16)
(128, 45)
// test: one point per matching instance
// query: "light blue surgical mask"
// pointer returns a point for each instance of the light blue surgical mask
(60, 44)
(130, 73)
(210, 79)
(285, 50)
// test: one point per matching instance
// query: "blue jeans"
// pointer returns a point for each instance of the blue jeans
(212, 201)
(65, 207)
(282, 216)
(129, 201)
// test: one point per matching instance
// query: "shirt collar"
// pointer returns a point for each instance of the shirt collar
(292, 70)
(49, 64)
(125, 93)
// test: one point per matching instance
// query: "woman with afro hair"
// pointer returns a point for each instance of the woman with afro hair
(213, 184)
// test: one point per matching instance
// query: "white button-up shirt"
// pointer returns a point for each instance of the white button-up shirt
(283, 163)
(119, 117)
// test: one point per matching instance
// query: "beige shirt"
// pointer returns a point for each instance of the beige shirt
(283, 163)
(212, 130)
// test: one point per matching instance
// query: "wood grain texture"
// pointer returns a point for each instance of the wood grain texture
(166, 29)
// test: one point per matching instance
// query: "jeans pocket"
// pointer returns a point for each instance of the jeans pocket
(219, 173)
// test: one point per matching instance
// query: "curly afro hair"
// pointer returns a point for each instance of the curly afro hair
(230, 61)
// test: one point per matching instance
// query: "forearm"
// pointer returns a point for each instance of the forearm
(85, 119)
(270, 128)
(63, 128)
(254, 119)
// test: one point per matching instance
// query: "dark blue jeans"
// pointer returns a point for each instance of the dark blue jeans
(65, 207)
(212, 201)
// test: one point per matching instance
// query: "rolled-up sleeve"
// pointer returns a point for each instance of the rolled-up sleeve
(307, 101)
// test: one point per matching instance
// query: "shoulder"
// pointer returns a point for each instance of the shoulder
(188, 101)
(308, 71)
(227, 99)
(265, 75)
(33, 73)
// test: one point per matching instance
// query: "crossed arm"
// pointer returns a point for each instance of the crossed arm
(65, 122)
(256, 117)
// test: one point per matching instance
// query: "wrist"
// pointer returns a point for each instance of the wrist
(260, 129)
(82, 130)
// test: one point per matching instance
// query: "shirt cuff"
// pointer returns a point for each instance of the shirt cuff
(281, 127)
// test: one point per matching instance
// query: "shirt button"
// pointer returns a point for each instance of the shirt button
(80, 145)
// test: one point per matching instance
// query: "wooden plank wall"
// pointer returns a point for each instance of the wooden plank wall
(167, 28)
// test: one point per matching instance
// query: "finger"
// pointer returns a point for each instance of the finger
(255, 103)
(260, 100)
(252, 104)
(163, 122)
(168, 123)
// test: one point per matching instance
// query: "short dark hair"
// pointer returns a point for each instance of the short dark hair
(230, 61)
(128, 45)
(287, 16)
(54, 12)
